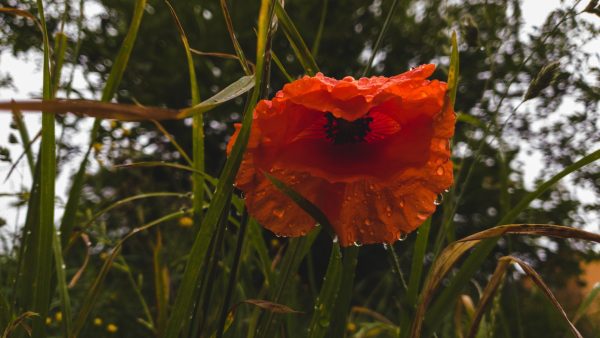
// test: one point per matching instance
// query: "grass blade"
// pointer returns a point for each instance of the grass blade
(581, 310)
(476, 259)
(197, 127)
(91, 297)
(454, 70)
(495, 281)
(453, 252)
(342, 307)
(239, 87)
(295, 39)
(325, 303)
(110, 88)
(236, 45)
(384, 28)
(184, 299)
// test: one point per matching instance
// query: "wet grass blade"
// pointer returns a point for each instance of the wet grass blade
(295, 39)
(384, 28)
(239, 87)
(233, 274)
(342, 306)
(43, 231)
(416, 271)
(197, 127)
(184, 300)
(325, 303)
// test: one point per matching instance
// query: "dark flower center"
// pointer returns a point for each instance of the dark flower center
(340, 131)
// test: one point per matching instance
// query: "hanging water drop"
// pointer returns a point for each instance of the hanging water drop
(402, 236)
(439, 199)
(335, 239)
(357, 243)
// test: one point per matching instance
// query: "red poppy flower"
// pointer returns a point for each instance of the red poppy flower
(372, 154)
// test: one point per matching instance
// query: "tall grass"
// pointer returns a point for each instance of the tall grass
(232, 281)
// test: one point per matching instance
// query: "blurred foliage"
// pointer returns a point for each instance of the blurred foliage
(494, 46)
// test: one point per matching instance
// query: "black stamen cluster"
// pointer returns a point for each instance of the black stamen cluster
(341, 131)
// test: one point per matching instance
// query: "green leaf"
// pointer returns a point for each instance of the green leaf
(295, 39)
(239, 87)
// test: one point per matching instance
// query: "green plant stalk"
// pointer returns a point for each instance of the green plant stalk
(197, 127)
(384, 28)
(236, 45)
(92, 294)
(184, 301)
(479, 254)
(138, 293)
(63, 290)
(25, 140)
(204, 291)
(296, 42)
(326, 301)
(233, 274)
(342, 306)
(42, 232)
(414, 281)
(112, 83)
(317, 41)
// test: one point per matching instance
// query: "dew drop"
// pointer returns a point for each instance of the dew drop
(402, 236)
(439, 199)
(368, 222)
(371, 187)
(422, 216)
(357, 243)
(440, 171)
(402, 203)
(386, 246)
(278, 212)
(335, 239)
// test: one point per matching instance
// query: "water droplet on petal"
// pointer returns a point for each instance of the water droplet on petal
(368, 222)
(278, 212)
(357, 243)
(402, 203)
(422, 215)
(335, 239)
(440, 171)
(386, 246)
(402, 236)
(371, 187)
